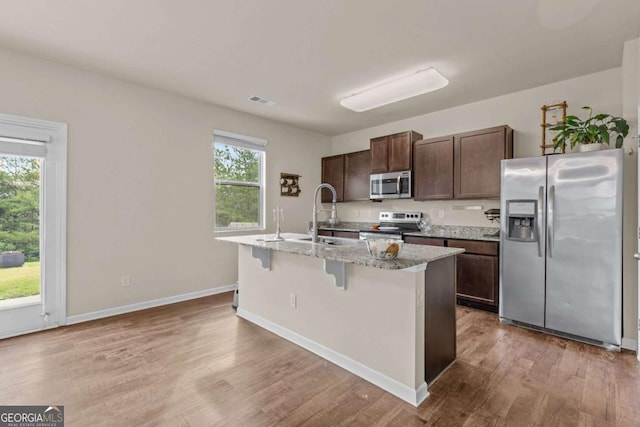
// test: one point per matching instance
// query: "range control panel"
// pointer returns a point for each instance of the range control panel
(400, 216)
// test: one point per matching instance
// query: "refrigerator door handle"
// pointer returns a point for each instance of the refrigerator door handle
(550, 225)
(538, 228)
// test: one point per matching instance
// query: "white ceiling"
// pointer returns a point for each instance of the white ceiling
(308, 54)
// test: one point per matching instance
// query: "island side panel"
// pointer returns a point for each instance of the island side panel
(373, 322)
(440, 316)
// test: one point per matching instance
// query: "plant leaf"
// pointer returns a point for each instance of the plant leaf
(572, 121)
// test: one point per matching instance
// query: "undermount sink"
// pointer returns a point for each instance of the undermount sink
(332, 241)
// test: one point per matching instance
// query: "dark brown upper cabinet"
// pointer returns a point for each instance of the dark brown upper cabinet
(349, 175)
(461, 166)
(393, 152)
(357, 167)
(433, 168)
(477, 156)
(333, 173)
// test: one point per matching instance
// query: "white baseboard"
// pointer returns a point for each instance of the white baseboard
(409, 395)
(629, 344)
(78, 318)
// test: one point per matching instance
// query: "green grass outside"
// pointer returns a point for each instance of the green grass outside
(19, 282)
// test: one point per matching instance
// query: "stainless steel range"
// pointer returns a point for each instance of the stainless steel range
(393, 224)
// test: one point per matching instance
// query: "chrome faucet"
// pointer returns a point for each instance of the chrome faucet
(314, 231)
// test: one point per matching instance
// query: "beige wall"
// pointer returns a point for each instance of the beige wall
(520, 110)
(140, 180)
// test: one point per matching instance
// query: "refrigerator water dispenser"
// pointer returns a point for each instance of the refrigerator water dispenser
(521, 220)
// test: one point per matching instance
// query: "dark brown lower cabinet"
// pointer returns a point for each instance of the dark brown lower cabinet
(477, 279)
(338, 233)
(417, 240)
(346, 234)
(477, 274)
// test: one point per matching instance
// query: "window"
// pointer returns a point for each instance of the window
(238, 182)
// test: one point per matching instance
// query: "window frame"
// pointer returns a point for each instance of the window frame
(47, 140)
(250, 143)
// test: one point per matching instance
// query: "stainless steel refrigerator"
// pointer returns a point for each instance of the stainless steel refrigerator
(561, 244)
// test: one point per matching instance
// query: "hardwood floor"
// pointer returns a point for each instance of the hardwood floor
(197, 364)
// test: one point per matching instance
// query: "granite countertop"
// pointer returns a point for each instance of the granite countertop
(459, 232)
(354, 253)
(441, 231)
(345, 226)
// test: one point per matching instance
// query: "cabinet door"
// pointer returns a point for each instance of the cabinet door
(379, 154)
(357, 167)
(433, 169)
(399, 151)
(418, 240)
(333, 173)
(477, 278)
(477, 157)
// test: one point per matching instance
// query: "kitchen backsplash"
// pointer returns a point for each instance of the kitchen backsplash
(455, 212)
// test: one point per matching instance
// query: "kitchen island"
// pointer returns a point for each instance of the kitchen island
(391, 322)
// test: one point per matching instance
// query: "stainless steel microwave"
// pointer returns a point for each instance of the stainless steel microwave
(391, 185)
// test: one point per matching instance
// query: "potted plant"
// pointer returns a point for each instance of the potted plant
(591, 133)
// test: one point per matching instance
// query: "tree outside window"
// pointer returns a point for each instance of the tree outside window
(238, 186)
(20, 205)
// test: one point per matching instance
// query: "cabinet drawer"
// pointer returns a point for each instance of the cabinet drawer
(417, 240)
(475, 247)
(325, 232)
(347, 234)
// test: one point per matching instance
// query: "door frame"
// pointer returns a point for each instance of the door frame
(53, 207)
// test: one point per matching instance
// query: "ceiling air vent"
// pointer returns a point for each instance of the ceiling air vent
(262, 101)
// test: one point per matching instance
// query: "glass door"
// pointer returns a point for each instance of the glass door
(21, 285)
(32, 225)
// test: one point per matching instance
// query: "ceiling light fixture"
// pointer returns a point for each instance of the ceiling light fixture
(423, 81)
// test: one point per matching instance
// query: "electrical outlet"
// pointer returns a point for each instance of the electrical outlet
(293, 300)
(125, 281)
(441, 213)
